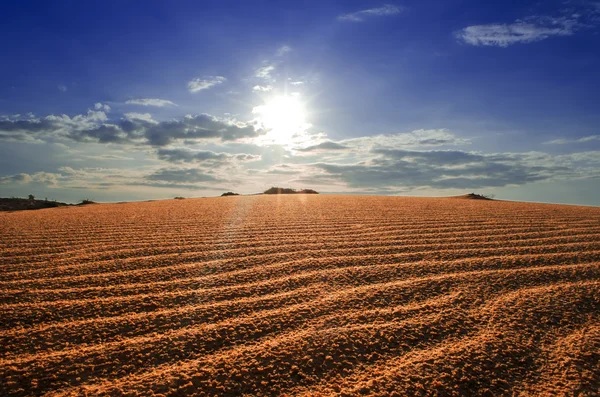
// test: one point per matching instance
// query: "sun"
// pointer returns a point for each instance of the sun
(284, 116)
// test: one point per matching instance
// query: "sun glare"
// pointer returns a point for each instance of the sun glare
(284, 116)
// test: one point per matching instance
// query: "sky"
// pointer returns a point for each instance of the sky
(135, 100)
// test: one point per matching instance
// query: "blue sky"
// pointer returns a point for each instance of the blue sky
(136, 100)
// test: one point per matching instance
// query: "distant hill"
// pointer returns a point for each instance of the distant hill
(230, 194)
(19, 204)
(282, 190)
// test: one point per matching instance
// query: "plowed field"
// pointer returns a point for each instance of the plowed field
(301, 295)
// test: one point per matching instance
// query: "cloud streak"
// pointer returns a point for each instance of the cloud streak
(181, 176)
(360, 16)
(416, 138)
(160, 103)
(531, 29)
(199, 84)
(203, 156)
(504, 35)
(563, 141)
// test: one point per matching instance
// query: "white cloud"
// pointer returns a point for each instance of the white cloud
(564, 141)
(264, 72)
(62, 88)
(533, 28)
(503, 35)
(108, 157)
(359, 16)
(296, 83)
(150, 102)
(139, 116)
(102, 107)
(262, 88)
(284, 49)
(199, 84)
(94, 116)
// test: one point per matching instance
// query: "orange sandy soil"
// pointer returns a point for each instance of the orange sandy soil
(301, 295)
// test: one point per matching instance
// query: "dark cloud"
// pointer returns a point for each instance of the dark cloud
(441, 169)
(442, 157)
(247, 157)
(26, 125)
(106, 133)
(134, 131)
(202, 126)
(189, 156)
(189, 175)
(164, 185)
(26, 130)
(18, 178)
(202, 156)
(436, 142)
(39, 177)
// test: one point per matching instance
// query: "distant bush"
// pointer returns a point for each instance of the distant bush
(282, 190)
(179, 198)
(31, 197)
(86, 201)
(230, 194)
(475, 196)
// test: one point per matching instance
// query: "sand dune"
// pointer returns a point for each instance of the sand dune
(301, 295)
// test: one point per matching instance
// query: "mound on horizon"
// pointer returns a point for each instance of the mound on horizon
(20, 204)
(473, 196)
(283, 190)
(301, 295)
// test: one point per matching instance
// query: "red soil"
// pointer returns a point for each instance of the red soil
(301, 294)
